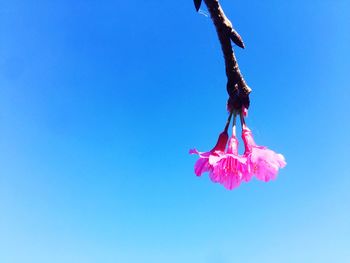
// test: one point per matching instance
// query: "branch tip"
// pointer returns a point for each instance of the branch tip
(197, 4)
(236, 38)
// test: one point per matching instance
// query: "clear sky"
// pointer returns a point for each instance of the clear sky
(100, 102)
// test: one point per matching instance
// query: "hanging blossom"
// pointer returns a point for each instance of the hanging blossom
(261, 161)
(207, 159)
(229, 168)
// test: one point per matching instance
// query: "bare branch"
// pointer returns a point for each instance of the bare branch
(237, 88)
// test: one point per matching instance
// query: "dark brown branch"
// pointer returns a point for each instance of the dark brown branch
(237, 88)
(197, 4)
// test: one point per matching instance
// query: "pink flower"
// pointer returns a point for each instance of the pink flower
(261, 162)
(229, 169)
(204, 163)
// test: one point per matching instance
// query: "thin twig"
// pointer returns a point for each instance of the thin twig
(237, 88)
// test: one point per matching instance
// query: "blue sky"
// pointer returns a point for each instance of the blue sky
(100, 103)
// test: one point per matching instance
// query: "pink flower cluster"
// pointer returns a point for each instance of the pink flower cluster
(227, 167)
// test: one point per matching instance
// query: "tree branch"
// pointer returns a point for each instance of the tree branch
(237, 88)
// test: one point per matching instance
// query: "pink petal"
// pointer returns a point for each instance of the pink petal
(193, 151)
(262, 162)
(201, 166)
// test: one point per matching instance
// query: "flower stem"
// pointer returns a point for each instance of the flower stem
(243, 124)
(234, 125)
(228, 121)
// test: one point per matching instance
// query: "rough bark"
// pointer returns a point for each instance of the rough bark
(237, 88)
